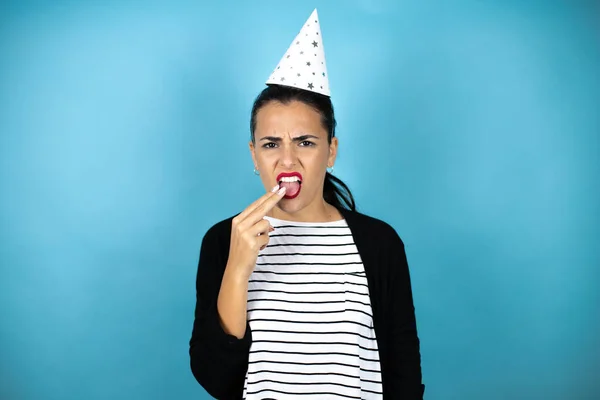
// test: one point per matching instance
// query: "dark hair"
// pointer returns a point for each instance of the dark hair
(335, 192)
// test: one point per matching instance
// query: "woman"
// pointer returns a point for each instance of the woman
(300, 295)
(252, 312)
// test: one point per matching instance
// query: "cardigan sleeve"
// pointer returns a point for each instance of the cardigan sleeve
(218, 361)
(404, 342)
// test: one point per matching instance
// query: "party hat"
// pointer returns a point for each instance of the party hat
(303, 65)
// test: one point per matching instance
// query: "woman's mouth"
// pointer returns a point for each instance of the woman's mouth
(292, 182)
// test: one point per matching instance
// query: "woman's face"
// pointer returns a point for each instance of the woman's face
(290, 148)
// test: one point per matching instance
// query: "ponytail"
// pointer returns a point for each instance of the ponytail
(337, 193)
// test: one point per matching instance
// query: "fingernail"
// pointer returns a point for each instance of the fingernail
(275, 188)
(282, 190)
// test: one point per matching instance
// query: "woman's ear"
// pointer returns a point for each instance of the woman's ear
(252, 153)
(333, 146)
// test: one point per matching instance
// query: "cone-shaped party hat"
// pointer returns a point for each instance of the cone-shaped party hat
(303, 66)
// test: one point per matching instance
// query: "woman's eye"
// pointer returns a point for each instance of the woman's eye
(271, 145)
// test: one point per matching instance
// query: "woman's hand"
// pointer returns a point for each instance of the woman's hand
(250, 233)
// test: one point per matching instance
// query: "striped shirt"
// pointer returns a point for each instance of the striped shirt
(310, 315)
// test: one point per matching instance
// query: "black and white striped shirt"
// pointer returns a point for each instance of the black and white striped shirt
(310, 315)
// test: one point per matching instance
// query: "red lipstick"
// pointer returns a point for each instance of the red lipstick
(292, 188)
(289, 175)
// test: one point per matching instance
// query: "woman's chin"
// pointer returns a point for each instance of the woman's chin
(292, 205)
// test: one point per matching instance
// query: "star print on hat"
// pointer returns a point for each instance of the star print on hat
(303, 65)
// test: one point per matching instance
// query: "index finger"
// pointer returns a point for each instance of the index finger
(263, 208)
(258, 202)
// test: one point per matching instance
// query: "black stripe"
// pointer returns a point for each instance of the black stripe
(305, 363)
(311, 312)
(308, 322)
(303, 293)
(311, 263)
(309, 244)
(370, 391)
(260, 371)
(314, 383)
(315, 343)
(306, 394)
(328, 374)
(306, 283)
(357, 273)
(370, 370)
(297, 354)
(360, 274)
(311, 302)
(368, 359)
(305, 383)
(314, 333)
(310, 235)
(310, 226)
(370, 381)
(300, 353)
(308, 254)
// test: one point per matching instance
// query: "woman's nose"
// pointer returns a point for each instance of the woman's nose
(288, 156)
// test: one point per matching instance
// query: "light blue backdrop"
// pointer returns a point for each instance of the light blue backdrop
(472, 127)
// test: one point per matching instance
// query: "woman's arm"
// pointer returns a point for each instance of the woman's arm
(404, 341)
(218, 360)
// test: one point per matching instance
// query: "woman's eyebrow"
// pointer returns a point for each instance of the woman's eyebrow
(296, 139)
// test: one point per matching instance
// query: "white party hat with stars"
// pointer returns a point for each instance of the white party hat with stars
(303, 65)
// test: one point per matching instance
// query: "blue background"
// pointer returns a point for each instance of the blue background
(473, 127)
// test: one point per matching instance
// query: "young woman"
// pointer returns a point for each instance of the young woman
(300, 295)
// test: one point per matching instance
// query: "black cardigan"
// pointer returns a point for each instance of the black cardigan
(219, 361)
